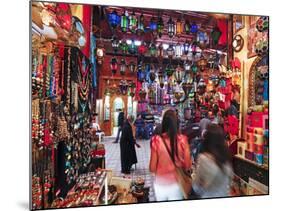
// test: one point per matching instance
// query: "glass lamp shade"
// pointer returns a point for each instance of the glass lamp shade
(186, 66)
(171, 27)
(123, 85)
(152, 49)
(202, 39)
(179, 28)
(216, 34)
(115, 44)
(123, 67)
(186, 27)
(178, 51)
(153, 26)
(100, 54)
(124, 22)
(133, 23)
(186, 47)
(161, 79)
(113, 65)
(140, 25)
(160, 51)
(170, 51)
(142, 49)
(194, 68)
(132, 67)
(194, 48)
(194, 28)
(179, 74)
(169, 70)
(132, 48)
(123, 46)
(160, 26)
(113, 19)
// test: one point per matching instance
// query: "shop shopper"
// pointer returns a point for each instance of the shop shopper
(121, 117)
(139, 124)
(127, 147)
(213, 171)
(168, 150)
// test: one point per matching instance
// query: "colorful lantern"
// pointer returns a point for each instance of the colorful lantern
(186, 66)
(113, 65)
(186, 27)
(161, 79)
(186, 47)
(202, 39)
(100, 54)
(169, 70)
(179, 27)
(178, 51)
(142, 94)
(123, 85)
(216, 34)
(132, 67)
(124, 22)
(179, 74)
(160, 51)
(123, 46)
(142, 48)
(160, 26)
(133, 22)
(153, 26)
(123, 67)
(140, 25)
(115, 44)
(132, 48)
(113, 19)
(132, 89)
(194, 28)
(170, 51)
(194, 68)
(152, 49)
(171, 27)
(202, 63)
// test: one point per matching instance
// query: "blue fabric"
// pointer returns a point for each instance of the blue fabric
(265, 90)
(93, 61)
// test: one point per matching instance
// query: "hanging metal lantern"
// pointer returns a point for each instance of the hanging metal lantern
(123, 86)
(170, 51)
(194, 48)
(179, 27)
(160, 51)
(186, 66)
(179, 74)
(142, 94)
(115, 44)
(123, 46)
(100, 54)
(178, 50)
(133, 22)
(186, 27)
(153, 26)
(160, 26)
(171, 27)
(202, 39)
(186, 47)
(152, 49)
(132, 48)
(216, 34)
(123, 67)
(169, 70)
(132, 89)
(142, 48)
(132, 66)
(114, 65)
(140, 73)
(161, 79)
(194, 28)
(140, 25)
(113, 19)
(124, 22)
(194, 68)
(201, 87)
(202, 63)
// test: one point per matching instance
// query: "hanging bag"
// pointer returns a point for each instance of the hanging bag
(184, 180)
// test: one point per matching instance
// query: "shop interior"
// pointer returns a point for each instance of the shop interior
(90, 62)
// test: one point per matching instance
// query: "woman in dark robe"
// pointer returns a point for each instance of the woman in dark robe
(127, 147)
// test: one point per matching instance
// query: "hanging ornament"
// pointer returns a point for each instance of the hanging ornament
(194, 28)
(178, 50)
(132, 67)
(123, 86)
(169, 70)
(140, 25)
(179, 27)
(171, 27)
(202, 63)
(170, 51)
(115, 43)
(160, 51)
(100, 54)
(216, 34)
(152, 49)
(132, 89)
(142, 49)
(262, 24)
(123, 67)
(123, 46)
(186, 27)
(202, 39)
(186, 47)
(142, 94)
(186, 66)
(194, 68)
(140, 74)
(160, 26)
(153, 26)
(124, 22)
(113, 19)
(132, 48)
(133, 22)
(113, 65)
(179, 74)
(201, 87)
(161, 79)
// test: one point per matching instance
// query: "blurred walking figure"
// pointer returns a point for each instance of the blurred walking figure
(169, 151)
(213, 172)
(119, 124)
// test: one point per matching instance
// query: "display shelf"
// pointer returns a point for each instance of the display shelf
(265, 167)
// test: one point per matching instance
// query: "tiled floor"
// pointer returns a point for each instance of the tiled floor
(142, 167)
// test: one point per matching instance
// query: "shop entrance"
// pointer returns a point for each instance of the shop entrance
(118, 104)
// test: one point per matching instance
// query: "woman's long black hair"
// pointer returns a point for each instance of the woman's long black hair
(169, 126)
(215, 144)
